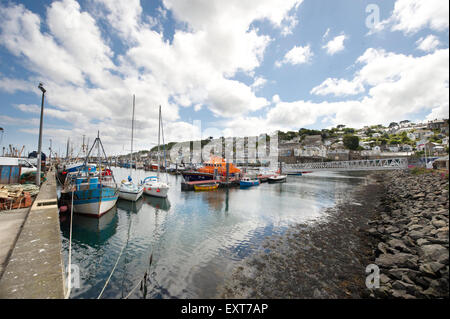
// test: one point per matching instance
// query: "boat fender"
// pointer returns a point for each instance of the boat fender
(63, 209)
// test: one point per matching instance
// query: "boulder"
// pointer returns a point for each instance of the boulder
(400, 260)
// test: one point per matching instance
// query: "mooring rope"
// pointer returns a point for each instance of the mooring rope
(110, 275)
(142, 280)
(69, 274)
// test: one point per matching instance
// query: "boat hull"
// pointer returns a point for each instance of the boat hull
(248, 183)
(205, 187)
(94, 202)
(197, 176)
(156, 190)
(276, 180)
(131, 196)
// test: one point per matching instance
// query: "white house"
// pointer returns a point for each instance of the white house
(407, 148)
(393, 148)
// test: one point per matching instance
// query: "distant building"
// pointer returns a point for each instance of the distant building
(338, 154)
(435, 124)
(411, 136)
(393, 148)
(406, 148)
(312, 140)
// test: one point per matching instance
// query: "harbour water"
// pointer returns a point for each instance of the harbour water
(195, 238)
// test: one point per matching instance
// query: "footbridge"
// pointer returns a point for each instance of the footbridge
(358, 165)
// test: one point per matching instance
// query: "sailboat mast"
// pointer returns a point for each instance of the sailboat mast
(132, 129)
(159, 129)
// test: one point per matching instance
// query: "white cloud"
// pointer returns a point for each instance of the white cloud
(258, 83)
(335, 45)
(297, 55)
(338, 87)
(13, 85)
(410, 16)
(398, 86)
(86, 82)
(428, 44)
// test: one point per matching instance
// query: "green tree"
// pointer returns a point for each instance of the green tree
(351, 141)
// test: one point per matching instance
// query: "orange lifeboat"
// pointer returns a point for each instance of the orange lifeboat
(220, 164)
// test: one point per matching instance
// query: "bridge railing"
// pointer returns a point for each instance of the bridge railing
(375, 164)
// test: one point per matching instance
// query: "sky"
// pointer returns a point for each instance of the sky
(217, 68)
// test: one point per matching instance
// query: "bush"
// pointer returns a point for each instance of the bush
(351, 141)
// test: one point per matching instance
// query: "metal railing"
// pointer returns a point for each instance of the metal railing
(358, 165)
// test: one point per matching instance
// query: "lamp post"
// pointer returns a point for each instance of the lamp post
(39, 153)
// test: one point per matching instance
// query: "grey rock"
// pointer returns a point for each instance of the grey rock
(439, 223)
(391, 229)
(422, 241)
(400, 260)
(397, 244)
(401, 294)
(434, 252)
(431, 268)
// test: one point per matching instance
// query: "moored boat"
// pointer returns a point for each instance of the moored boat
(247, 182)
(128, 190)
(215, 164)
(154, 187)
(206, 187)
(277, 179)
(94, 190)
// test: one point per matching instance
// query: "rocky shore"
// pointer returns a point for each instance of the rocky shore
(398, 221)
(413, 236)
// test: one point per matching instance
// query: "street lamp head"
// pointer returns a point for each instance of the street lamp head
(41, 86)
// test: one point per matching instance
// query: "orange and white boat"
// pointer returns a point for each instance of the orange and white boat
(207, 171)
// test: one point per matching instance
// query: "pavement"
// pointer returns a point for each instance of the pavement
(11, 223)
(35, 267)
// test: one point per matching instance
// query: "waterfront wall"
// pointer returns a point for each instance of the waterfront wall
(35, 268)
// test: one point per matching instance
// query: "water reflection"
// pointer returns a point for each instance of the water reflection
(157, 202)
(91, 230)
(130, 206)
(196, 238)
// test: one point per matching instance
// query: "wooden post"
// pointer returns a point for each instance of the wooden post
(228, 172)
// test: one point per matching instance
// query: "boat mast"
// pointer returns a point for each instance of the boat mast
(132, 128)
(159, 128)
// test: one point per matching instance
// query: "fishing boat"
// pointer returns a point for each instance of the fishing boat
(129, 190)
(206, 187)
(152, 185)
(94, 192)
(295, 174)
(247, 182)
(277, 179)
(216, 163)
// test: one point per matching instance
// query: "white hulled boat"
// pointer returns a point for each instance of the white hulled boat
(153, 186)
(129, 190)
